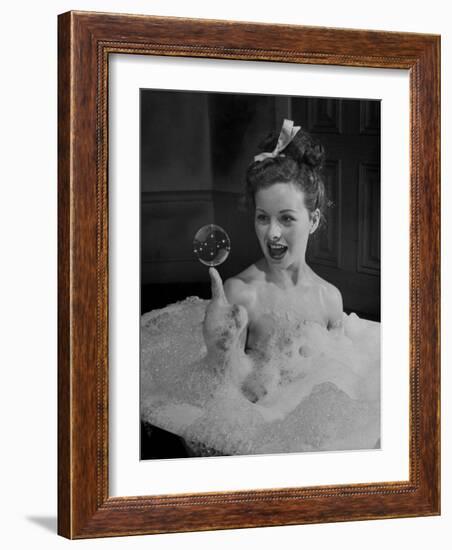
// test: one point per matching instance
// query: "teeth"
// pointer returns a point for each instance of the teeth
(278, 246)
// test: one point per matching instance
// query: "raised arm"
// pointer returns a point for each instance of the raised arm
(224, 330)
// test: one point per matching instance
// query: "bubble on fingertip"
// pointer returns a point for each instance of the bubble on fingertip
(211, 245)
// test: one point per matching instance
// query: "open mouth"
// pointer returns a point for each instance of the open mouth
(276, 251)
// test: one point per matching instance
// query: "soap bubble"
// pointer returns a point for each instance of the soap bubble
(211, 245)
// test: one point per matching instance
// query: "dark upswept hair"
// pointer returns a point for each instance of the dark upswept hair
(300, 163)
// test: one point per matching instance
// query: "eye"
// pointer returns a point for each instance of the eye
(261, 218)
(287, 220)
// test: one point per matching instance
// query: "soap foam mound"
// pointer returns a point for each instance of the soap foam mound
(321, 389)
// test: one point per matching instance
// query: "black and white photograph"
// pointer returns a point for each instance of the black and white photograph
(225, 230)
(260, 274)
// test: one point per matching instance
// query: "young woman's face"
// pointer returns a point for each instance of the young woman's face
(283, 223)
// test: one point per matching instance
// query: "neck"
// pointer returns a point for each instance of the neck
(290, 275)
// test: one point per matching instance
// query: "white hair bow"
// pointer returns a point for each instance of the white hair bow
(288, 132)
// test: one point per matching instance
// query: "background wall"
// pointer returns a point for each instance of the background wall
(28, 274)
(194, 172)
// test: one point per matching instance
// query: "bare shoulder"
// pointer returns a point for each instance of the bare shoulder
(332, 295)
(241, 289)
(332, 300)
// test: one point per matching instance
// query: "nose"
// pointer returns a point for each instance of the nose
(274, 231)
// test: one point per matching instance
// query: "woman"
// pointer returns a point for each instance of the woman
(287, 192)
(280, 292)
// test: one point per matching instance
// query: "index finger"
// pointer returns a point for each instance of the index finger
(216, 285)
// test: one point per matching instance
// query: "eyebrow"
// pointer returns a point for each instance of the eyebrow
(280, 212)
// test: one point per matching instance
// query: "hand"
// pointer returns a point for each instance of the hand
(223, 322)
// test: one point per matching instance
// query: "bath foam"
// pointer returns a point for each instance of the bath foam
(322, 388)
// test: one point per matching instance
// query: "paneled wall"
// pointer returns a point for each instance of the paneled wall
(347, 251)
(195, 148)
